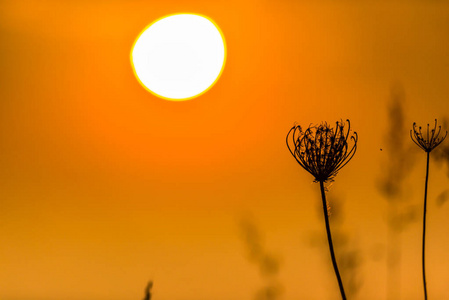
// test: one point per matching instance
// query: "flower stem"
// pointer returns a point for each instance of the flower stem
(329, 239)
(424, 230)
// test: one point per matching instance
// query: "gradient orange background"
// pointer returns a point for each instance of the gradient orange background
(104, 186)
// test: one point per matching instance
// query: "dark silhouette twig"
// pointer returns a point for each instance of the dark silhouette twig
(424, 230)
(329, 240)
(323, 151)
(427, 143)
(148, 291)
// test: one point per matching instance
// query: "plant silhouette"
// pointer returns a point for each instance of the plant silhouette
(148, 291)
(430, 141)
(350, 257)
(322, 151)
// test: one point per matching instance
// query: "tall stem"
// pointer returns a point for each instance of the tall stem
(329, 239)
(424, 230)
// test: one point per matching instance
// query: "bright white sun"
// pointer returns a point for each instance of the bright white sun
(179, 57)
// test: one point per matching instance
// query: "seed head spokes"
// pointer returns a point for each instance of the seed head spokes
(431, 139)
(322, 150)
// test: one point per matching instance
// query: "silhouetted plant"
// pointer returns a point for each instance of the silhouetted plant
(148, 291)
(350, 258)
(427, 143)
(323, 151)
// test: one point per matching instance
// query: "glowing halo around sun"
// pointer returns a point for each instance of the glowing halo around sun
(179, 57)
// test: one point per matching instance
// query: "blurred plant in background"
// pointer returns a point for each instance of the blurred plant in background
(268, 263)
(148, 290)
(392, 184)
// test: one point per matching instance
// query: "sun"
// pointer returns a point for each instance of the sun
(179, 57)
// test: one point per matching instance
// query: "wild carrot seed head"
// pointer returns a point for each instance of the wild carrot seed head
(322, 150)
(431, 139)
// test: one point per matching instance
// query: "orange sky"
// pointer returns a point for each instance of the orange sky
(104, 186)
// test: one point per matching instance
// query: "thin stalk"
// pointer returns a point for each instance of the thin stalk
(424, 230)
(329, 239)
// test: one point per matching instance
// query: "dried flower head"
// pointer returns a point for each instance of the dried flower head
(432, 139)
(321, 150)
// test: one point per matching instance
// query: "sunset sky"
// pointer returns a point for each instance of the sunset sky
(104, 186)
